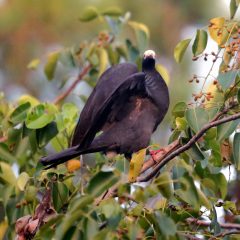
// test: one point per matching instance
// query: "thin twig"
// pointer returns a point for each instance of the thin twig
(63, 95)
(187, 146)
(224, 111)
(207, 224)
(223, 234)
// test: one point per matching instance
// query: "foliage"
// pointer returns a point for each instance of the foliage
(191, 186)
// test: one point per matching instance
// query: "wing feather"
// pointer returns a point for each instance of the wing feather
(106, 86)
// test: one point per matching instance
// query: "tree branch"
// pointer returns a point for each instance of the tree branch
(160, 156)
(223, 234)
(207, 224)
(187, 146)
(63, 95)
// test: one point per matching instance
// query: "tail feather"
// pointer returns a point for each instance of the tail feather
(61, 157)
(67, 154)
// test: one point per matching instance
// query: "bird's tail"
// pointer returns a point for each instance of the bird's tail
(61, 157)
(72, 152)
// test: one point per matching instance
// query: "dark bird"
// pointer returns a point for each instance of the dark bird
(125, 107)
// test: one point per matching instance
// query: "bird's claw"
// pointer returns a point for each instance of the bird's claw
(154, 153)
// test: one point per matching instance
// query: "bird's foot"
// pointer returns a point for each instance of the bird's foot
(154, 153)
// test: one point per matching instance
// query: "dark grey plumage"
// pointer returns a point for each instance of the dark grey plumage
(126, 105)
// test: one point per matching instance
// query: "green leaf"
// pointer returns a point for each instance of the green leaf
(45, 134)
(30, 193)
(174, 136)
(196, 118)
(112, 12)
(101, 182)
(89, 14)
(166, 224)
(180, 49)
(68, 116)
(20, 113)
(227, 79)
(14, 135)
(164, 184)
(200, 42)
(5, 154)
(215, 157)
(67, 59)
(81, 203)
(181, 123)
(179, 109)
(112, 211)
(51, 65)
(195, 152)
(188, 191)
(233, 8)
(132, 51)
(142, 34)
(40, 116)
(226, 129)
(211, 134)
(33, 64)
(236, 150)
(59, 195)
(220, 184)
(203, 199)
(238, 95)
(22, 181)
(76, 213)
(113, 55)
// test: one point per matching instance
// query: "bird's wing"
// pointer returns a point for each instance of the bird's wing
(132, 84)
(106, 86)
(157, 90)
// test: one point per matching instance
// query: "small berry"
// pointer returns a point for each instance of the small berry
(215, 81)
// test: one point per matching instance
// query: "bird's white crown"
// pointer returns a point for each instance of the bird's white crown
(149, 53)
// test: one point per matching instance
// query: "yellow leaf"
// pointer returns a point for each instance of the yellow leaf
(217, 30)
(22, 181)
(103, 59)
(142, 34)
(218, 97)
(33, 64)
(161, 203)
(3, 228)
(164, 73)
(51, 64)
(139, 26)
(28, 98)
(6, 173)
(136, 164)
(203, 199)
(217, 22)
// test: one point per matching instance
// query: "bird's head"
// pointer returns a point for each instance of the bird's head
(148, 62)
(149, 54)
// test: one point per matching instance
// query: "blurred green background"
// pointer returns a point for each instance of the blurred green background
(31, 29)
